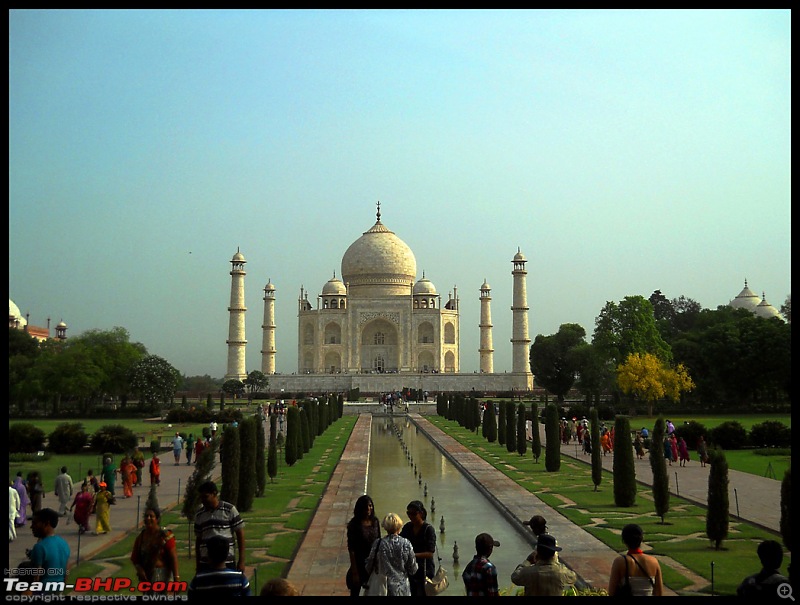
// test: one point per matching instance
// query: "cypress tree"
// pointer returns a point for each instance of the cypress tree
(202, 472)
(490, 421)
(209, 402)
(658, 465)
(247, 464)
(183, 403)
(501, 424)
(522, 438)
(552, 452)
(231, 461)
(152, 498)
(221, 401)
(305, 434)
(511, 427)
(292, 435)
(536, 441)
(261, 455)
(717, 514)
(272, 458)
(624, 470)
(597, 460)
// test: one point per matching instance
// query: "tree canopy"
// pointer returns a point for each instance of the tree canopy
(552, 360)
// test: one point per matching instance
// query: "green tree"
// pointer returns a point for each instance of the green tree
(501, 423)
(305, 432)
(597, 454)
(536, 438)
(247, 465)
(522, 438)
(552, 361)
(511, 426)
(658, 465)
(261, 455)
(256, 382)
(490, 422)
(231, 464)
(624, 470)
(629, 327)
(155, 381)
(272, 457)
(204, 466)
(293, 448)
(718, 511)
(234, 388)
(595, 373)
(552, 452)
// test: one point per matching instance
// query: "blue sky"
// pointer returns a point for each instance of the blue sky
(621, 151)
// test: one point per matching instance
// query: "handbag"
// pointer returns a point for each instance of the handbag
(376, 583)
(439, 582)
(625, 590)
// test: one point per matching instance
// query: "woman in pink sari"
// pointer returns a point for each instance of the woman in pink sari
(19, 485)
(673, 446)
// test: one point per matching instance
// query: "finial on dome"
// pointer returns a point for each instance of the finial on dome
(379, 211)
(745, 282)
(334, 274)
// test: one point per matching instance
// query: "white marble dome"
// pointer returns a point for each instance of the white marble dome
(13, 311)
(746, 299)
(766, 310)
(425, 286)
(379, 263)
(334, 287)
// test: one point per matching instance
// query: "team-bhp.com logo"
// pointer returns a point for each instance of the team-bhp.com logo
(93, 586)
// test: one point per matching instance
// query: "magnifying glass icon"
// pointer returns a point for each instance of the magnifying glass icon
(785, 591)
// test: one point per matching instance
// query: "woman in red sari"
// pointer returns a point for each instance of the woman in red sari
(154, 553)
(127, 470)
(83, 508)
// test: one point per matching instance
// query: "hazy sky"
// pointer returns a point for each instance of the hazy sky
(621, 151)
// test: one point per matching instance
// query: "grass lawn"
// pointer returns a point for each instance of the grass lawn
(681, 537)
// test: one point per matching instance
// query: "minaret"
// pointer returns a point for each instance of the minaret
(236, 335)
(520, 343)
(486, 351)
(268, 328)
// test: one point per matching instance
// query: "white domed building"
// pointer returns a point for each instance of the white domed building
(376, 319)
(747, 299)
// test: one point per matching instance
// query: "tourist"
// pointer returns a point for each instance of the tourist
(82, 504)
(217, 518)
(138, 461)
(702, 451)
(63, 489)
(393, 556)
(177, 446)
(102, 508)
(51, 553)
(279, 587)
(189, 448)
(541, 573)
(199, 447)
(19, 485)
(218, 579)
(154, 553)
(422, 536)
(155, 470)
(480, 574)
(127, 471)
(765, 583)
(13, 512)
(587, 443)
(667, 450)
(35, 491)
(670, 427)
(642, 571)
(645, 433)
(683, 451)
(92, 481)
(673, 446)
(538, 525)
(213, 427)
(605, 442)
(362, 531)
(109, 475)
(638, 446)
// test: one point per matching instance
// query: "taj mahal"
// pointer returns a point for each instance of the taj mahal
(379, 328)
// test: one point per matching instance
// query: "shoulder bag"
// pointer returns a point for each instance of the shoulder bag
(625, 590)
(376, 583)
(439, 582)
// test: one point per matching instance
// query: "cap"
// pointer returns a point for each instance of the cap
(549, 542)
(103, 484)
(485, 540)
(537, 523)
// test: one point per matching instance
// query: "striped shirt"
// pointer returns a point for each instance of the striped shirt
(222, 521)
(219, 583)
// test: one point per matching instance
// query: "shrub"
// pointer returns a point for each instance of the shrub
(552, 451)
(113, 438)
(770, 434)
(25, 437)
(247, 464)
(230, 457)
(624, 471)
(717, 514)
(67, 438)
(691, 432)
(658, 465)
(729, 435)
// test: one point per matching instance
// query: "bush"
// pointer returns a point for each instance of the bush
(67, 438)
(770, 434)
(114, 438)
(729, 435)
(691, 432)
(25, 437)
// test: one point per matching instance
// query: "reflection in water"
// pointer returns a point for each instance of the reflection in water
(397, 446)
